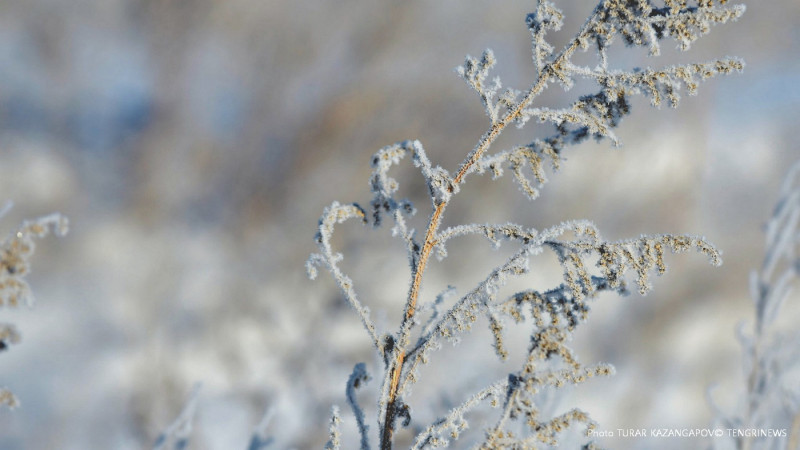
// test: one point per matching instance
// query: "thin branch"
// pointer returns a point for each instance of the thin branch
(357, 379)
(454, 419)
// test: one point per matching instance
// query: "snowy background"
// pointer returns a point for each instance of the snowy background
(193, 145)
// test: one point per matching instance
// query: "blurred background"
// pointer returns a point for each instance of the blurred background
(194, 144)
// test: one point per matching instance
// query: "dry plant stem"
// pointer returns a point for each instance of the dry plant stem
(436, 219)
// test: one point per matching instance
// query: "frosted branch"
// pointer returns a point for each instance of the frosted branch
(455, 422)
(358, 378)
(332, 215)
(495, 233)
(474, 73)
(334, 441)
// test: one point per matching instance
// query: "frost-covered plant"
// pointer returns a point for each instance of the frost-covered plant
(15, 253)
(590, 263)
(771, 354)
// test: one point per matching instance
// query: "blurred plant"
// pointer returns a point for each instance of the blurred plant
(15, 253)
(771, 356)
(178, 434)
(555, 312)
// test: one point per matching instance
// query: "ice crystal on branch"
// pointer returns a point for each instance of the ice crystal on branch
(641, 23)
(589, 263)
(547, 17)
